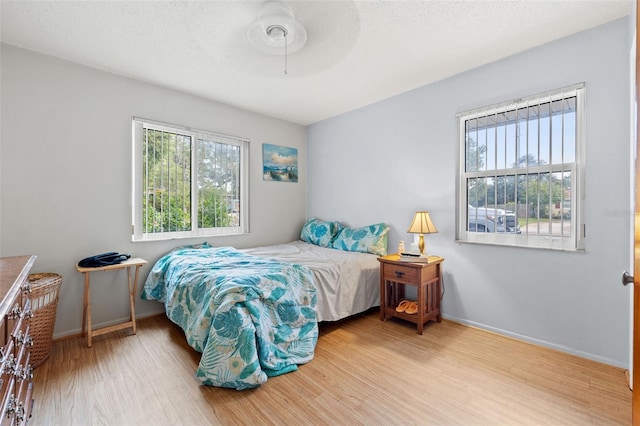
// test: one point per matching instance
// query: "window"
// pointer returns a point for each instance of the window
(187, 183)
(520, 172)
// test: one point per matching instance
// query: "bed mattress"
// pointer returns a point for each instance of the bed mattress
(347, 283)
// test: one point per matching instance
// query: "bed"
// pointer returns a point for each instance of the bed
(253, 313)
(347, 283)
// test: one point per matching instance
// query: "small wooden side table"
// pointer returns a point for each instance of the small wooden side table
(395, 275)
(86, 308)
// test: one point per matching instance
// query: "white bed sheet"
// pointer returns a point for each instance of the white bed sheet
(347, 282)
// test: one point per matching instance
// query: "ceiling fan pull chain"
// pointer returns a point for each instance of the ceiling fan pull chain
(285, 53)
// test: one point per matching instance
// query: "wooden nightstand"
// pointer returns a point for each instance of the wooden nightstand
(426, 277)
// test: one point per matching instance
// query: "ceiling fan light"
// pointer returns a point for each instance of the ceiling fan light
(276, 22)
(277, 31)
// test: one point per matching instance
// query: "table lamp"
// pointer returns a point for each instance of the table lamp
(422, 225)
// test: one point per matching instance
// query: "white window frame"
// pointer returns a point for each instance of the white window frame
(138, 233)
(576, 242)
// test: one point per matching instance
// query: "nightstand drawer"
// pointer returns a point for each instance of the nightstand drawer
(400, 273)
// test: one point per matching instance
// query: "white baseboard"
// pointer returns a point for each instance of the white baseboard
(78, 331)
(538, 342)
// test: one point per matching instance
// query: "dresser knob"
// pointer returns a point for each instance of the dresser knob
(28, 373)
(19, 338)
(18, 373)
(399, 274)
(11, 406)
(20, 413)
(15, 312)
(23, 339)
(10, 365)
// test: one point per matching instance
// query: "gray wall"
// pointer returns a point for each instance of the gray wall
(387, 160)
(65, 173)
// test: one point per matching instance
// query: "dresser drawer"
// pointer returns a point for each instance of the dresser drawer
(16, 373)
(24, 391)
(400, 273)
(16, 406)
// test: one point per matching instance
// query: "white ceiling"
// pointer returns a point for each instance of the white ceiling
(357, 52)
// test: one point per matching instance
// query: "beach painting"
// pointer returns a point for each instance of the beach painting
(279, 163)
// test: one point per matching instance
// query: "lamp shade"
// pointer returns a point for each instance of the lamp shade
(422, 224)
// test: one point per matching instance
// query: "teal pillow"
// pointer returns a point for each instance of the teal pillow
(369, 239)
(319, 232)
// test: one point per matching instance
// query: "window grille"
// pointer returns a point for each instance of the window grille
(520, 172)
(187, 183)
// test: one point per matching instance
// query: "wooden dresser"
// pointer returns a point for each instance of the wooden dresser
(16, 372)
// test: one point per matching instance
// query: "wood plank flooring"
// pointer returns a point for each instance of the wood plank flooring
(365, 371)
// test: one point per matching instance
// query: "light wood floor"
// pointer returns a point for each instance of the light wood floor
(365, 372)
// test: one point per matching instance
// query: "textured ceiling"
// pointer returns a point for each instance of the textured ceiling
(357, 52)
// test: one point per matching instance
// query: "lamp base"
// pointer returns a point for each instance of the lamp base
(421, 245)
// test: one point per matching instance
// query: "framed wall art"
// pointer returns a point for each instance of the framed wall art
(279, 163)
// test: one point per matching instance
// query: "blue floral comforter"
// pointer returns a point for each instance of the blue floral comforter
(250, 317)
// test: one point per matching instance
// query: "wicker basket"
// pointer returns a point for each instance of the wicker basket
(45, 289)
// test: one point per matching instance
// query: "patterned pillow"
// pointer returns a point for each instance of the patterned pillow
(369, 239)
(319, 232)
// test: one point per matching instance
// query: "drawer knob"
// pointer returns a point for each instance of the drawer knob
(20, 413)
(399, 274)
(11, 406)
(23, 339)
(10, 365)
(15, 312)
(18, 373)
(27, 373)
(18, 338)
